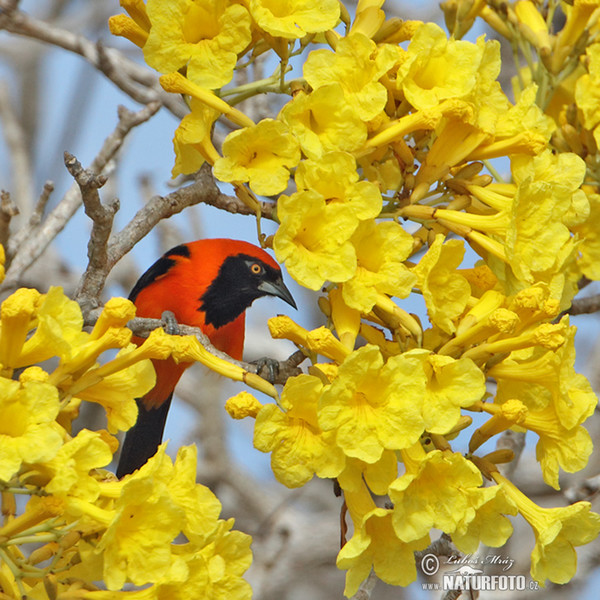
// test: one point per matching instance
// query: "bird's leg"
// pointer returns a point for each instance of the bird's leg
(267, 368)
(170, 324)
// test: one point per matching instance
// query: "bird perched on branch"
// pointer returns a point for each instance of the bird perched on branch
(207, 284)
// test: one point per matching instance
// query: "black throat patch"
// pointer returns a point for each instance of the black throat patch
(234, 289)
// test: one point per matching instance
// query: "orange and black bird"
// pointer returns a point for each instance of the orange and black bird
(207, 284)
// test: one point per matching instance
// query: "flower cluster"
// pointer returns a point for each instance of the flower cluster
(382, 158)
(79, 522)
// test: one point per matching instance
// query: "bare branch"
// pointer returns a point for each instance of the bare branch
(584, 306)
(136, 81)
(8, 209)
(35, 219)
(31, 248)
(16, 141)
(92, 281)
(203, 191)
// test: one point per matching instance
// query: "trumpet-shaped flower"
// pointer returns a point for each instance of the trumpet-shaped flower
(557, 532)
(541, 379)
(298, 446)
(323, 121)
(381, 249)
(192, 138)
(335, 177)
(371, 406)
(292, 19)
(376, 546)
(436, 69)
(132, 547)
(451, 384)
(313, 239)
(557, 447)
(356, 65)
(28, 432)
(69, 472)
(446, 292)
(589, 240)
(204, 36)
(262, 155)
(537, 233)
(441, 490)
(490, 526)
(117, 392)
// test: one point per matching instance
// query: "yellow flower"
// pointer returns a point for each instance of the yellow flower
(135, 27)
(243, 405)
(356, 65)
(323, 121)
(541, 378)
(436, 68)
(298, 447)
(133, 548)
(192, 141)
(378, 475)
(28, 431)
(58, 329)
(16, 318)
(557, 531)
(371, 406)
(451, 384)
(446, 292)
(70, 471)
(202, 508)
(557, 445)
(262, 155)
(381, 249)
(438, 490)
(227, 557)
(588, 235)
(117, 392)
(490, 526)
(205, 36)
(335, 177)
(375, 545)
(313, 239)
(292, 19)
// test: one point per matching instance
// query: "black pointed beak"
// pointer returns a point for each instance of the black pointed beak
(277, 288)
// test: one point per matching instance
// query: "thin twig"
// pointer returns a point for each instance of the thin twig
(23, 234)
(8, 209)
(585, 306)
(31, 249)
(92, 281)
(136, 81)
(203, 191)
(16, 141)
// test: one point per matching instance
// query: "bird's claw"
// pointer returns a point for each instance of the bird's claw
(267, 368)
(170, 324)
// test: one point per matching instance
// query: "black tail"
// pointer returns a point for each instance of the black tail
(143, 439)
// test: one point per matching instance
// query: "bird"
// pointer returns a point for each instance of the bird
(207, 284)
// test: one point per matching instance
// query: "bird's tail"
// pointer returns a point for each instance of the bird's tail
(144, 438)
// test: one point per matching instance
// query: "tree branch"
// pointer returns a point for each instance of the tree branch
(136, 81)
(38, 239)
(585, 306)
(92, 281)
(203, 191)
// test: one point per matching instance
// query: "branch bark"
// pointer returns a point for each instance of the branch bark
(38, 238)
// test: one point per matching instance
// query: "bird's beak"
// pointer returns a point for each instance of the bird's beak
(279, 289)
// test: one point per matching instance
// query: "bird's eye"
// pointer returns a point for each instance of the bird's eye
(256, 269)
